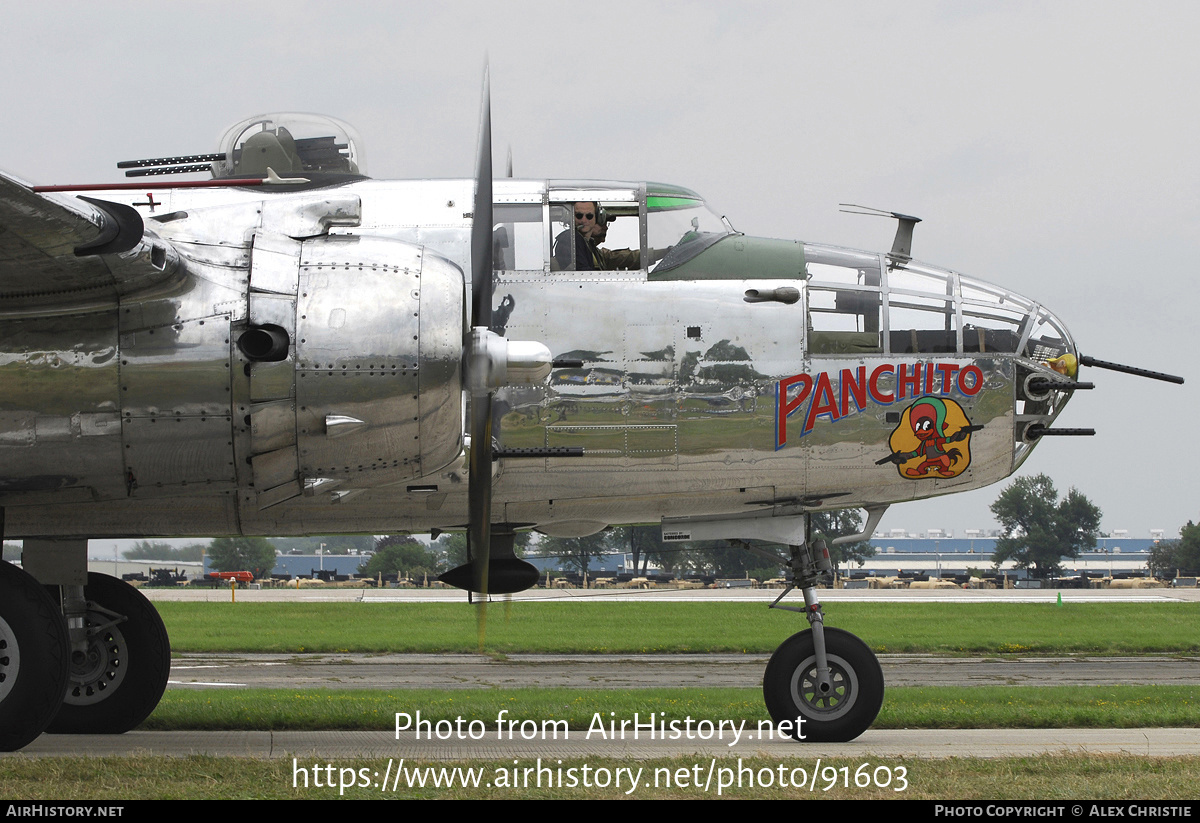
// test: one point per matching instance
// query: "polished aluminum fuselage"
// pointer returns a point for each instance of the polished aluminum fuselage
(144, 417)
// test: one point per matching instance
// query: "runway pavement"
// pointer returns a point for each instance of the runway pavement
(894, 744)
(739, 595)
(472, 671)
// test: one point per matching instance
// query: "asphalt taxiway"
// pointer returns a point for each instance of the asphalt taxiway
(644, 671)
(325, 746)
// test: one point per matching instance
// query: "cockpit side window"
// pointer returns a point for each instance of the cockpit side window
(618, 240)
(517, 237)
(566, 244)
(921, 310)
(590, 235)
(844, 303)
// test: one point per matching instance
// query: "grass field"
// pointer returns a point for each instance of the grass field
(974, 707)
(632, 627)
(1048, 777)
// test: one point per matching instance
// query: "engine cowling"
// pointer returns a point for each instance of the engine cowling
(371, 388)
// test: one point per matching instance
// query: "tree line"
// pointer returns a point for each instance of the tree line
(715, 558)
(1039, 530)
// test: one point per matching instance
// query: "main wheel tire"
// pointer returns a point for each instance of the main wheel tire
(34, 655)
(790, 687)
(120, 679)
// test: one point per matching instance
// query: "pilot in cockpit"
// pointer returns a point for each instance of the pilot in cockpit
(591, 229)
(585, 226)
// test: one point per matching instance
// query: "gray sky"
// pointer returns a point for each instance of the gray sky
(1049, 147)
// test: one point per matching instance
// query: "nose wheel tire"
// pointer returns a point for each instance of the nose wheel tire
(33, 658)
(119, 679)
(842, 712)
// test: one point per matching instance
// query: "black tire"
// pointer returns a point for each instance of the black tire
(790, 693)
(120, 680)
(34, 655)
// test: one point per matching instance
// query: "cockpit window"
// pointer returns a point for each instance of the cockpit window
(922, 318)
(843, 301)
(517, 237)
(595, 235)
(682, 227)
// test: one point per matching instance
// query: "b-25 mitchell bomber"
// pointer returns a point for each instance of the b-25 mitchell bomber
(294, 348)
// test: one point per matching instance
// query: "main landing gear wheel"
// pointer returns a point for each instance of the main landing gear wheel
(33, 658)
(844, 712)
(119, 680)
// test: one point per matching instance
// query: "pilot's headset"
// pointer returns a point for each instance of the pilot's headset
(602, 218)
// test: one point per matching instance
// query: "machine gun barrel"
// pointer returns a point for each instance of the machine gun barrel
(1153, 375)
(1043, 383)
(171, 161)
(1039, 430)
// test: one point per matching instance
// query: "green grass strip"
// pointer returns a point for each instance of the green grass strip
(636, 627)
(975, 707)
(1047, 777)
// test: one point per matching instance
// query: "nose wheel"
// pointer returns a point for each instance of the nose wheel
(836, 708)
(821, 684)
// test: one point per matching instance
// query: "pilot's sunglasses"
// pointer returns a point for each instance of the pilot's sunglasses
(581, 216)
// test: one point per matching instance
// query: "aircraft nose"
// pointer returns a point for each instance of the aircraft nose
(1050, 343)
(1012, 323)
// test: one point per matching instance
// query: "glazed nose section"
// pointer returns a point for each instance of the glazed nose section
(1047, 341)
(1046, 379)
(995, 319)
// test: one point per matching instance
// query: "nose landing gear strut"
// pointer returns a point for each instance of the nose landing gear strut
(820, 684)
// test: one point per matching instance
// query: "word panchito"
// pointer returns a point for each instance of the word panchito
(887, 384)
(640, 727)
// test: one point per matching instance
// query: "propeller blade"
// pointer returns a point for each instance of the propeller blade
(481, 228)
(490, 361)
(479, 500)
(479, 484)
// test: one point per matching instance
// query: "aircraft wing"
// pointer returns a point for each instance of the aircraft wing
(51, 247)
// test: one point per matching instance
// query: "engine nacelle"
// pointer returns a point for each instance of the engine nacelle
(370, 392)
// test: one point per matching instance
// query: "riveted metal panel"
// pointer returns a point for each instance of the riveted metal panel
(60, 433)
(274, 263)
(181, 368)
(274, 468)
(273, 381)
(278, 494)
(624, 447)
(373, 345)
(440, 355)
(170, 454)
(274, 309)
(272, 425)
(387, 401)
(311, 215)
